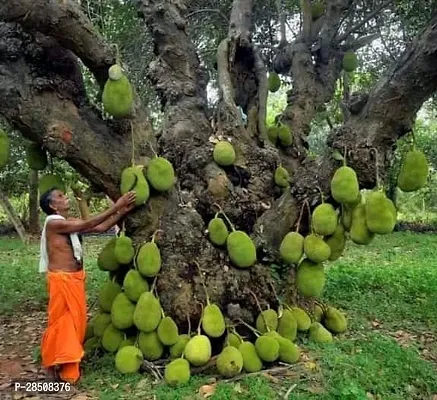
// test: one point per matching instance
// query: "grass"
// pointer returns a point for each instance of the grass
(388, 290)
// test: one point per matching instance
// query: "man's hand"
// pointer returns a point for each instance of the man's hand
(128, 208)
(127, 200)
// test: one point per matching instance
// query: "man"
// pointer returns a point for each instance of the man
(61, 258)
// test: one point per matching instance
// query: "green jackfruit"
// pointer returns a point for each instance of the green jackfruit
(178, 348)
(150, 345)
(148, 312)
(272, 134)
(134, 285)
(112, 338)
(89, 333)
(241, 249)
(267, 321)
(107, 294)
(350, 61)
(288, 351)
(213, 322)
(287, 325)
(133, 179)
(251, 360)
(337, 242)
(106, 260)
(218, 231)
(123, 250)
(5, 148)
(36, 157)
(310, 278)
(318, 313)
(149, 260)
(319, 334)
(359, 232)
(324, 219)
(317, 9)
(274, 82)
(344, 185)
(316, 249)
(177, 372)
(198, 350)
(224, 153)
(334, 320)
(282, 177)
(117, 96)
(126, 342)
(414, 171)
(233, 340)
(267, 348)
(91, 345)
(285, 136)
(303, 320)
(101, 322)
(291, 248)
(168, 331)
(160, 174)
(346, 217)
(119, 275)
(50, 181)
(122, 312)
(128, 359)
(229, 362)
(379, 213)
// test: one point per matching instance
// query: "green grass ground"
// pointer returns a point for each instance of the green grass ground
(388, 290)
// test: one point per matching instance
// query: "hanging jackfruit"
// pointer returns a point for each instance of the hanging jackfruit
(414, 171)
(134, 285)
(316, 249)
(233, 339)
(36, 157)
(337, 242)
(150, 345)
(177, 372)
(287, 325)
(133, 179)
(274, 82)
(241, 249)
(107, 294)
(122, 312)
(350, 61)
(229, 362)
(217, 231)
(318, 313)
(251, 360)
(168, 331)
(291, 248)
(198, 350)
(379, 213)
(160, 174)
(213, 322)
(123, 250)
(148, 312)
(267, 321)
(310, 278)
(267, 348)
(117, 96)
(359, 232)
(50, 181)
(288, 351)
(317, 9)
(319, 334)
(106, 260)
(101, 322)
(5, 148)
(303, 320)
(334, 320)
(128, 359)
(112, 338)
(178, 348)
(272, 134)
(324, 219)
(224, 153)
(285, 136)
(149, 260)
(282, 177)
(344, 185)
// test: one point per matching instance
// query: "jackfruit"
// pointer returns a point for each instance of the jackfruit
(178, 348)
(272, 134)
(251, 360)
(233, 339)
(337, 242)
(107, 294)
(318, 313)
(319, 334)
(217, 231)
(310, 278)
(177, 372)
(274, 82)
(106, 260)
(126, 342)
(119, 275)
(285, 136)
(123, 250)
(414, 171)
(134, 285)
(36, 157)
(317, 9)
(282, 177)
(91, 345)
(133, 179)
(288, 351)
(287, 325)
(101, 322)
(150, 345)
(229, 362)
(160, 174)
(89, 333)
(267, 348)
(149, 260)
(122, 312)
(198, 350)
(267, 321)
(359, 232)
(213, 322)
(112, 338)
(303, 320)
(5, 149)
(148, 312)
(344, 185)
(350, 61)
(224, 153)
(50, 181)
(117, 96)
(291, 248)
(128, 359)
(241, 249)
(168, 331)
(334, 320)
(324, 219)
(316, 249)
(346, 217)
(379, 213)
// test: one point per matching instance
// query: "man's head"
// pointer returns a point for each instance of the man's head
(54, 201)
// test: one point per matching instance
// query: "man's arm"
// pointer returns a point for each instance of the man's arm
(109, 223)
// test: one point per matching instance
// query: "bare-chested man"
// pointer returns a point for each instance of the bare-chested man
(62, 342)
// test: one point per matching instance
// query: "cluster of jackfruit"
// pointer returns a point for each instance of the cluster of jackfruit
(240, 247)
(280, 135)
(4, 148)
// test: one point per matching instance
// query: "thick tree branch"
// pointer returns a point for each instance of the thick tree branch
(306, 19)
(240, 25)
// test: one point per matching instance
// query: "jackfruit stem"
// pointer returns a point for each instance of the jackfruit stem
(378, 180)
(309, 215)
(344, 157)
(300, 216)
(203, 282)
(274, 292)
(189, 324)
(261, 311)
(155, 233)
(200, 320)
(322, 197)
(135, 258)
(227, 219)
(133, 143)
(255, 331)
(153, 284)
(153, 150)
(256, 300)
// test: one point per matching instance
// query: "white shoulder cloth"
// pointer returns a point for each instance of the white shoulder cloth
(44, 258)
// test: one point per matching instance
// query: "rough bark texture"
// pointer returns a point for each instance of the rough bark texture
(13, 217)
(33, 203)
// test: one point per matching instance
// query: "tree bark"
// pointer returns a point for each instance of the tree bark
(13, 217)
(33, 203)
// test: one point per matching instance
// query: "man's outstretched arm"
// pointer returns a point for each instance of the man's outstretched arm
(111, 221)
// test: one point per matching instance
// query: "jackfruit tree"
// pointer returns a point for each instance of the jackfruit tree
(222, 199)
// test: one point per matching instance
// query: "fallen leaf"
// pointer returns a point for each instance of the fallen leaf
(207, 390)
(238, 388)
(310, 365)
(115, 386)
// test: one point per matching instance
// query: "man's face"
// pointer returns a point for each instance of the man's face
(59, 201)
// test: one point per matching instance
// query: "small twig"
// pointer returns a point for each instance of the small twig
(209, 364)
(272, 371)
(292, 387)
(300, 215)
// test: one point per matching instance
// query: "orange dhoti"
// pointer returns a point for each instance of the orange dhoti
(62, 342)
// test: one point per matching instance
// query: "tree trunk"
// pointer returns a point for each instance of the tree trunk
(33, 203)
(13, 217)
